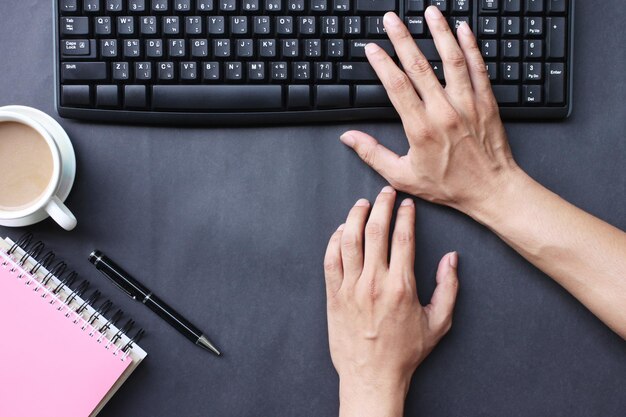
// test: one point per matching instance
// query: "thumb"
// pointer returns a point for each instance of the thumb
(439, 311)
(381, 159)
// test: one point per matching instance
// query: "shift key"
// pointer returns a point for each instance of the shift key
(83, 71)
(356, 71)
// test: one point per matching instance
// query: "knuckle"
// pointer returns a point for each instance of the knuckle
(374, 231)
(450, 118)
(398, 82)
(419, 66)
(368, 154)
(479, 67)
(404, 237)
(455, 59)
(350, 242)
(331, 266)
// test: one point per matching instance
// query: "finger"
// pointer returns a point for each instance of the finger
(439, 310)
(454, 66)
(377, 231)
(475, 63)
(398, 86)
(382, 160)
(402, 264)
(413, 60)
(352, 241)
(333, 270)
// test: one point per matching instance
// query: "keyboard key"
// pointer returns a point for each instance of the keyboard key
(75, 95)
(557, 32)
(107, 96)
(332, 96)
(160, 5)
(371, 96)
(460, 6)
(415, 5)
(91, 6)
(375, 5)
(510, 71)
(114, 6)
(533, 72)
(442, 5)
(233, 71)
(75, 26)
(136, 5)
(557, 6)
(555, 85)
(532, 95)
(512, 6)
(68, 5)
(103, 25)
(217, 97)
(83, 71)
(135, 96)
(506, 94)
(427, 46)
(357, 47)
(76, 47)
(489, 5)
(533, 49)
(534, 6)
(415, 25)
(298, 97)
(356, 71)
(534, 26)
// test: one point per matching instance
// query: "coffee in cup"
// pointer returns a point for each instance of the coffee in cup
(37, 168)
(27, 166)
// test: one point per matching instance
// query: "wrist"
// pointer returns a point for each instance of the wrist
(508, 187)
(375, 398)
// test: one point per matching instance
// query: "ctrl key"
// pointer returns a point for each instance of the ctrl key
(75, 96)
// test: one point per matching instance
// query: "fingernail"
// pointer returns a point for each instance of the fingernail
(371, 48)
(432, 12)
(464, 28)
(391, 19)
(341, 227)
(387, 189)
(407, 202)
(347, 139)
(362, 203)
(453, 259)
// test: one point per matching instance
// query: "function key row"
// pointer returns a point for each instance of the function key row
(250, 6)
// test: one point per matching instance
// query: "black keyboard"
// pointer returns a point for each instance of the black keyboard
(289, 61)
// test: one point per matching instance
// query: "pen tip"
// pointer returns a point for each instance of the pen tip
(203, 342)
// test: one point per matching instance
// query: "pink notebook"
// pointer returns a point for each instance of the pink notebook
(51, 350)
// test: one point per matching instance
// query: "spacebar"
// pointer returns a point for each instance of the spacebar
(217, 97)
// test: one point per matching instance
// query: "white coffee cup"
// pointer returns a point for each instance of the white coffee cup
(50, 203)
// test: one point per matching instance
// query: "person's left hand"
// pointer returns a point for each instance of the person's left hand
(378, 331)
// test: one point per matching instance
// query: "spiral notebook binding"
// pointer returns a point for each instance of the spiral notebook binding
(64, 281)
(45, 262)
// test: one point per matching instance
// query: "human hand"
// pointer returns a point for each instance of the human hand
(459, 154)
(378, 330)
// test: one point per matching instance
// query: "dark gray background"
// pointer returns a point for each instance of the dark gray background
(230, 227)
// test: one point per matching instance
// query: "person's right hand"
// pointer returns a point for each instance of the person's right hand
(459, 154)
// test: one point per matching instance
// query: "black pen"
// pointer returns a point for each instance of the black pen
(138, 292)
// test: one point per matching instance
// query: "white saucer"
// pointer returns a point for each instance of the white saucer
(68, 161)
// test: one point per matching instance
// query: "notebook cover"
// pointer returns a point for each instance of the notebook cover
(49, 366)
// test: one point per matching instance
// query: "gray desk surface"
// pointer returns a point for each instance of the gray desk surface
(230, 226)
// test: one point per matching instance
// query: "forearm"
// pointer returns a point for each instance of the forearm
(357, 399)
(582, 253)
